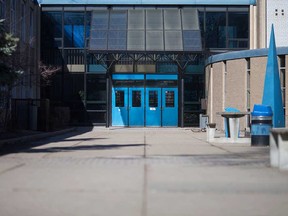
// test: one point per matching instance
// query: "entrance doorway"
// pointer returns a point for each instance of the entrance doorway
(140, 106)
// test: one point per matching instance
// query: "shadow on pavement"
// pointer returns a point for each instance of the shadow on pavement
(82, 147)
(20, 145)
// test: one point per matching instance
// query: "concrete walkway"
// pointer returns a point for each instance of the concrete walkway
(140, 171)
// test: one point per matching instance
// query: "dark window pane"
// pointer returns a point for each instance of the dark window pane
(88, 24)
(74, 29)
(2, 9)
(97, 117)
(169, 99)
(73, 87)
(54, 23)
(161, 83)
(153, 99)
(238, 25)
(215, 35)
(193, 88)
(238, 29)
(119, 95)
(125, 83)
(96, 106)
(136, 98)
(238, 43)
(96, 87)
(191, 119)
(201, 25)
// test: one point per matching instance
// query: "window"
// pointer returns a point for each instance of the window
(74, 29)
(238, 29)
(23, 23)
(215, 35)
(225, 27)
(145, 29)
(99, 30)
(96, 88)
(87, 27)
(169, 99)
(31, 25)
(153, 98)
(194, 88)
(117, 34)
(2, 9)
(119, 95)
(53, 22)
(136, 98)
(13, 17)
(51, 35)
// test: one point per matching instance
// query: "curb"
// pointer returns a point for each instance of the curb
(30, 138)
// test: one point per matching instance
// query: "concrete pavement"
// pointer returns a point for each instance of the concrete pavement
(140, 171)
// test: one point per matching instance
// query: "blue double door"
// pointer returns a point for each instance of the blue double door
(139, 107)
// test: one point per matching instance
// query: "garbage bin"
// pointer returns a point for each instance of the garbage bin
(227, 122)
(261, 123)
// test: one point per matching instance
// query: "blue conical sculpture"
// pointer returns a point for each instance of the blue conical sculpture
(272, 95)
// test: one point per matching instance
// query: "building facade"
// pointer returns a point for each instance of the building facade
(22, 20)
(236, 79)
(138, 63)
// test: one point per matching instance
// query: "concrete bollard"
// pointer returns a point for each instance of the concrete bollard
(211, 128)
(279, 148)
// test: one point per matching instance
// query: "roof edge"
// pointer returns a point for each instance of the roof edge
(243, 54)
(147, 2)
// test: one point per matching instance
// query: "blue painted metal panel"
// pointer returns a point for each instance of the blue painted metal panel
(272, 95)
(127, 77)
(120, 113)
(136, 110)
(161, 77)
(153, 110)
(169, 111)
(150, 2)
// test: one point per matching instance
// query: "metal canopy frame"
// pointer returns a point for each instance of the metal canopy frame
(181, 59)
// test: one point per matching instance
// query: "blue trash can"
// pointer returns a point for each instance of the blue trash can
(261, 123)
